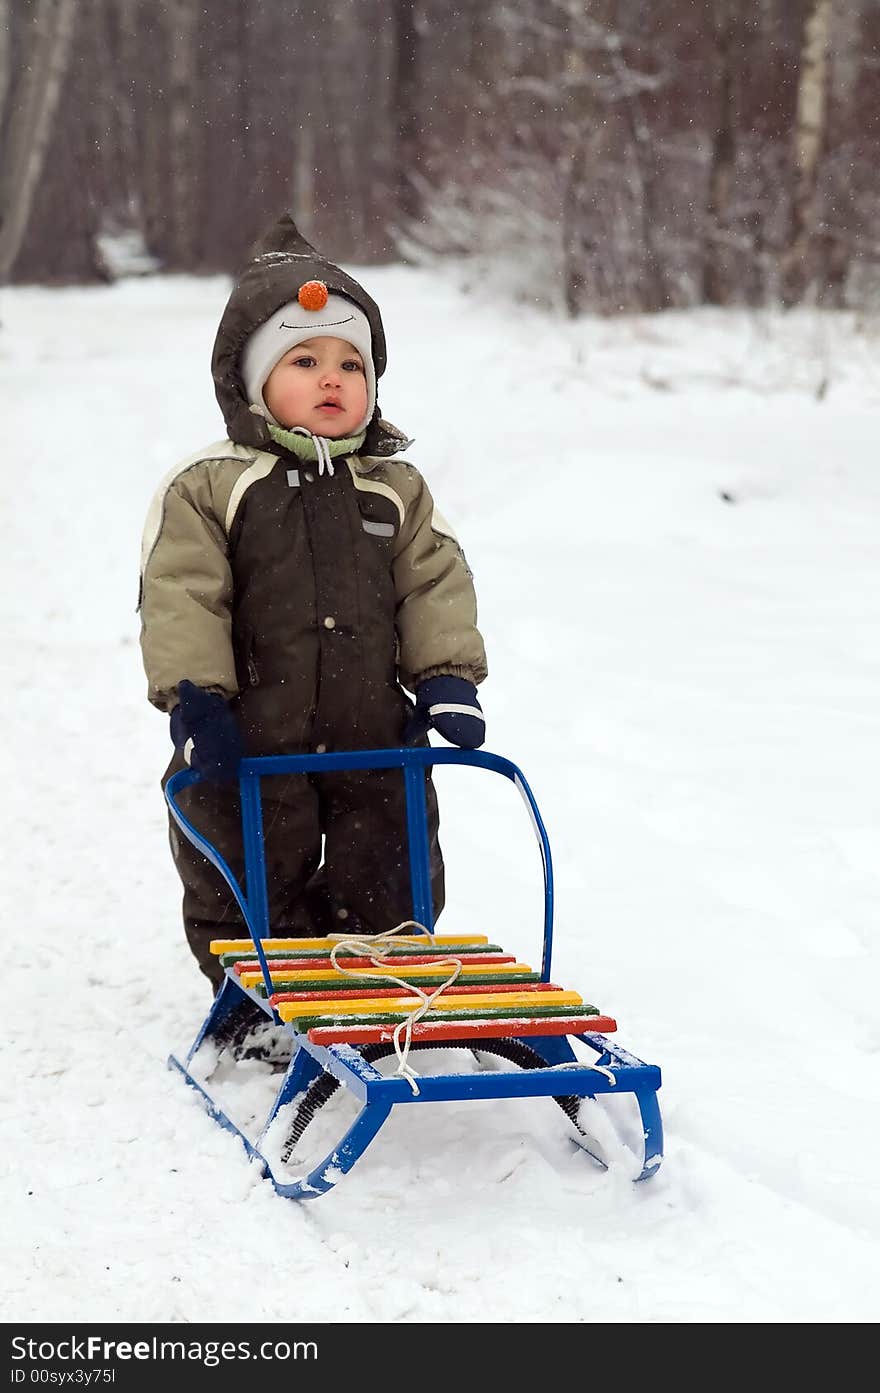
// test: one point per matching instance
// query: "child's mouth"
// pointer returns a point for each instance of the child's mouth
(329, 406)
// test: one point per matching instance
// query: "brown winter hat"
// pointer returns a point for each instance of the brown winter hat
(281, 263)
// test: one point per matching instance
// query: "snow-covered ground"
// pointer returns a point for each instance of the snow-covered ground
(673, 524)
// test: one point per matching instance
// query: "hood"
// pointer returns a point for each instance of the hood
(279, 264)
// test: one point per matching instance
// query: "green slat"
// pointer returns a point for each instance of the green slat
(500, 1013)
(294, 984)
(229, 959)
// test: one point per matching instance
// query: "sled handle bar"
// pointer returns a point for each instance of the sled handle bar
(254, 903)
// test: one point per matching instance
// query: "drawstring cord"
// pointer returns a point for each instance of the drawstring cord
(322, 449)
(352, 946)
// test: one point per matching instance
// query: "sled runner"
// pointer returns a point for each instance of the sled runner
(325, 1010)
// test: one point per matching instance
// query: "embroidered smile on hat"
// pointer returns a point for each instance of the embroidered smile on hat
(315, 313)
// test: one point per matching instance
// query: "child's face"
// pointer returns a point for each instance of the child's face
(319, 384)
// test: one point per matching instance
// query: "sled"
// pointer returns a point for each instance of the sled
(336, 1013)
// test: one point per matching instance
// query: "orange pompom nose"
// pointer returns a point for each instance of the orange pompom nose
(313, 295)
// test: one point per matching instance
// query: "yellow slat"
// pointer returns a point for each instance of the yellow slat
(421, 971)
(292, 1010)
(289, 945)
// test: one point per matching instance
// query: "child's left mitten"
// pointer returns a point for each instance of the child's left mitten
(449, 705)
(206, 732)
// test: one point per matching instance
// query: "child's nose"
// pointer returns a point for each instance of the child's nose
(330, 375)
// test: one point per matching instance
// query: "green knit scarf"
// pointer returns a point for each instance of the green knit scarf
(304, 447)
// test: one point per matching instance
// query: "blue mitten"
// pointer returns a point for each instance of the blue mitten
(204, 719)
(450, 705)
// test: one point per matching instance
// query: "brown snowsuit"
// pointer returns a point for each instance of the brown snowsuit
(309, 601)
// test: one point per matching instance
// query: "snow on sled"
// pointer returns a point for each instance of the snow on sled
(326, 1012)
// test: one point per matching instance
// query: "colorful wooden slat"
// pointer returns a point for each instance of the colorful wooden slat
(431, 971)
(288, 945)
(295, 965)
(306, 1023)
(475, 1030)
(355, 989)
(521, 979)
(290, 1010)
(407, 950)
(500, 998)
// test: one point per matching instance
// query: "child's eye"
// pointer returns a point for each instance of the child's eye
(306, 361)
(351, 365)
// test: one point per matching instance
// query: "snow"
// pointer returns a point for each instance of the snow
(689, 685)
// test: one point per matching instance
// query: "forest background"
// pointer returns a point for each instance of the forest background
(603, 155)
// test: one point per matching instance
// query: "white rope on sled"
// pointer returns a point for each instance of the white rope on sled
(355, 947)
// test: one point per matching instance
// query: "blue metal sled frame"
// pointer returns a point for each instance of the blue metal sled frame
(614, 1070)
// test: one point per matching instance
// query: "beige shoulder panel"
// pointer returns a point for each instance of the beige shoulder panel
(240, 466)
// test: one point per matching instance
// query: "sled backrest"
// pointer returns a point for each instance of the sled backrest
(413, 762)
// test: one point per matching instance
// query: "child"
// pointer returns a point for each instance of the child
(295, 578)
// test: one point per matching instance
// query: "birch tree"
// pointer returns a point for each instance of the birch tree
(33, 104)
(799, 257)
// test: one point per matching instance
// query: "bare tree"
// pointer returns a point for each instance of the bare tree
(33, 105)
(722, 140)
(183, 16)
(580, 152)
(5, 59)
(595, 155)
(407, 109)
(799, 257)
(565, 171)
(629, 84)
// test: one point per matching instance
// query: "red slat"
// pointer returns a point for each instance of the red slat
(450, 1030)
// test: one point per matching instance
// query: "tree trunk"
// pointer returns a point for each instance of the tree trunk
(30, 125)
(577, 245)
(405, 106)
(578, 145)
(182, 119)
(715, 282)
(654, 295)
(799, 257)
(127, 57)
(5, 61)
(304, 179)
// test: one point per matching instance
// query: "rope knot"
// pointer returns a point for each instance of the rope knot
(350, 945)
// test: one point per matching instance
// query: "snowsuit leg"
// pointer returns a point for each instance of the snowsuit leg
(366, 853)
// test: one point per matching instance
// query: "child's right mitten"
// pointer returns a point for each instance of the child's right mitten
(206, 732)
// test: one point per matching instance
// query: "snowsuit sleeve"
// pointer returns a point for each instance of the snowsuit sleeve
(436, 603)
(186, 592)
